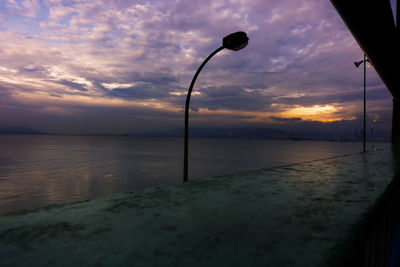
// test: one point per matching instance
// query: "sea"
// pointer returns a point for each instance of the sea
(42, 170)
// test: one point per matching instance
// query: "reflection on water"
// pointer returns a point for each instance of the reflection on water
(37, 171)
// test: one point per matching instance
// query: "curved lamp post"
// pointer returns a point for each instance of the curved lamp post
(357, 64)
(235, 42)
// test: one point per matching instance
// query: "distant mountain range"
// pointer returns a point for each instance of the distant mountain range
(256, 133)
(20, 130)
(267, 133)
(244, 132)
(194, 132)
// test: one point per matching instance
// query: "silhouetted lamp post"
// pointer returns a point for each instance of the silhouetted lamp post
(235, 42)
(357, 64)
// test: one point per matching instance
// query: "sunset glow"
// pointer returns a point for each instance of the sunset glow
(326, 113)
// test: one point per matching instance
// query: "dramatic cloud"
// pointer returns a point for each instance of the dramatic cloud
(124, 66)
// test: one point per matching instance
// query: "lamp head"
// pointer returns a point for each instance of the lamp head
(357, 64)
(235, 41)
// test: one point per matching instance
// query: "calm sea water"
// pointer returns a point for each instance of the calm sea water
(36, 171)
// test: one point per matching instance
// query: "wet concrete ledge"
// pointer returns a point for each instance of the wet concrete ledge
(307, 214)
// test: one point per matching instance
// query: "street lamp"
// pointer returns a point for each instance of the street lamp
(234, 41)
(357, 64)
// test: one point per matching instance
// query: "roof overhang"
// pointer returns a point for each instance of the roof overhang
(372, 24)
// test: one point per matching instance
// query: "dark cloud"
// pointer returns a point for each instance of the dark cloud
(158, 78)
(73, 85)
(32, 69)
(143, 91)
(231, 98)
(288, 120)
(341, 97)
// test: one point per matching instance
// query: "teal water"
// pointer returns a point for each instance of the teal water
(37, 171)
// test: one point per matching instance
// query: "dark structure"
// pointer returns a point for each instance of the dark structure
(372, 24)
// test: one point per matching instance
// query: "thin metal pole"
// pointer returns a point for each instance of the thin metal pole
(185, 157)
(365, 108)
(372, 137)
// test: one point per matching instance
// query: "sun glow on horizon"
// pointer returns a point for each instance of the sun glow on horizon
(322, 113)
(318, 113)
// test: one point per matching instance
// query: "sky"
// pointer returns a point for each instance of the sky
(124, 66)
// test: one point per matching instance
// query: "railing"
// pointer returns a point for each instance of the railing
(374, 237)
